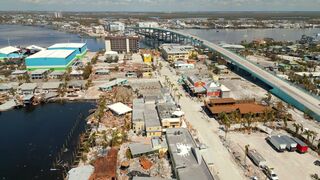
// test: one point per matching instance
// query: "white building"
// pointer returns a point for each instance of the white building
(115, 26)
(148, 24)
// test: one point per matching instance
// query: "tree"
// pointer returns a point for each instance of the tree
(179, 95)
(225, 120)
(99, 113)
(246, 152)
(87, 71)
(308, 133)
(268, 98)
(297, 128)
(314, 136)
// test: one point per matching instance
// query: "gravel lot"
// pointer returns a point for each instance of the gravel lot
(287, 165)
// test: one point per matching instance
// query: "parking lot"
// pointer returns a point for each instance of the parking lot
(287, 165)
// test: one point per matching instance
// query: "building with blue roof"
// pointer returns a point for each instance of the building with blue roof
(10, 52)
(51, 60)
(80, 48)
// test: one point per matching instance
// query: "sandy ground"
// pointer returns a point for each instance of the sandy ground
(241, 89)
(287, 165)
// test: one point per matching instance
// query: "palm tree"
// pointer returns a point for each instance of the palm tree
(314, 136)
(224, 118)
(297, 128)
(246, 153)
(268, 98)
(179, 95)
(308, 133)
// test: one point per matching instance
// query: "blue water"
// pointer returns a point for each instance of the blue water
(18, 35)
(31, 137)
(238, 35)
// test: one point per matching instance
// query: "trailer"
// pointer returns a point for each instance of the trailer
(301, 146)
(256, 158)
(277, 142)
(291, 144)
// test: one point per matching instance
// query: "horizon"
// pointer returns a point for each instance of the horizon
(160, 5)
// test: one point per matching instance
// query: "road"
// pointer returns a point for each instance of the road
(208, 130)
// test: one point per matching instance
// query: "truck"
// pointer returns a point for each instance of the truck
(270, 173)
(301, 146)
(291, 144)
(256, 158)
(277, 142)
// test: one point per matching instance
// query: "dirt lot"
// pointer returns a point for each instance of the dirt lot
(287, 165)
(241, 89)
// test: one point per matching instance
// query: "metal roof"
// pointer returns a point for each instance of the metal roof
(8, 50)
(120, 108)
(51, 85)
(59, 53)
(68, 45)
(28, 86)
(151, 116)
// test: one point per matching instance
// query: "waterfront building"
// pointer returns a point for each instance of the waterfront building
(115, 26)
(109, 85)
(27, 88)
(148, 24)
(51, 59)
(186, 159)
(122, 44)
(80, 48)
(39, 74)
(10, 52)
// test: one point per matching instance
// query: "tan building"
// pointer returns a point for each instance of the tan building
(167, 118)
(122, 44)
(174, 52)
(138, 124)
(152, 122)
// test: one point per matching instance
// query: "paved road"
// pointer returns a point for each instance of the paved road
(304, 98)
(208, 130)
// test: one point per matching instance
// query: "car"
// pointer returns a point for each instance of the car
(270, 173)
(317, 162)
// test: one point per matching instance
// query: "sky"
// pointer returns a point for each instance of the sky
(160, 5)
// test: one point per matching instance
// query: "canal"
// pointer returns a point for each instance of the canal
(32, 137)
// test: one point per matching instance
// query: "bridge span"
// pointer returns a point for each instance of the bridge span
(288, 92)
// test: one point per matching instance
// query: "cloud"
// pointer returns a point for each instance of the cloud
(160, 5)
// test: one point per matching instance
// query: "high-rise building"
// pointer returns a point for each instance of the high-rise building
(122, 43)
(115, 26)
(148, 24)
(57, 14)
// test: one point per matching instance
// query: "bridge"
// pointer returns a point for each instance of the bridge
(296, 96)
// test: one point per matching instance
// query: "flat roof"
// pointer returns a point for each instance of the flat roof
(39, 71)
(189, 164)
(8, 50)
(51, 85)
(58, 53)
(28, 86)
(68, 45)
(151, 115)
(120, 108)
(165, 110)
